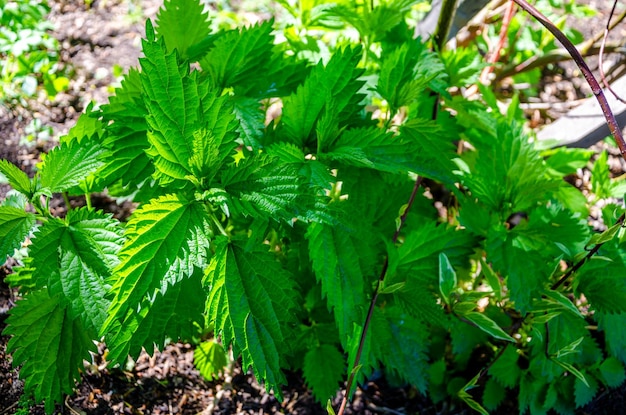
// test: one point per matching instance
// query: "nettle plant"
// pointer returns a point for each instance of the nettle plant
(272, 237)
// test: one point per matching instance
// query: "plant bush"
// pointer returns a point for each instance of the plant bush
(272, 236)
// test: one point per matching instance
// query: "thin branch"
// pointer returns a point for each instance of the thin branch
(370, 311)
(601, 56)
(582, 262)
(555, 56)
(591, 80)
(586, 48)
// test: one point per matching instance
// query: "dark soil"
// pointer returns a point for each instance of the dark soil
(94, 39)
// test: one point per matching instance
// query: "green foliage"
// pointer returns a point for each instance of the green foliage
(267, 236)
(28, 54)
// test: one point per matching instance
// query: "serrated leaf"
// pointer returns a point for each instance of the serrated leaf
(335, 84)
(508, 174)
(69, 164)
(600, 177)
(564, 161)
(16, 177)
(48, 344)
(612, 371)
(337, 268)
(611, 325)
(506, 370)
(493, 395)
(250, 296)
(182, 23)
(323, 368)
(210, 359)
(73, 258)
(239, 58)
(251, 119)
(583, 394)
(126, 137)
(434, 149)
(182, 105)
(262, 186)
(166, 240)
(372, 148)
(406, 351)
(604, 286)
(570, 368)
(400, 82)
(15, 225)
(174, 312)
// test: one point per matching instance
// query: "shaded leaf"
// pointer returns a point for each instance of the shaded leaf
(49, 345)
(323, 369)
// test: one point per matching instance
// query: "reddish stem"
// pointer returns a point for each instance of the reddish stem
(591, 80)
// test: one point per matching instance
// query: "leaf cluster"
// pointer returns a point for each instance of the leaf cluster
(269, 237)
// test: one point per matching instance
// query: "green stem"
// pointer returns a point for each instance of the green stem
(218, 224)
(88, 200)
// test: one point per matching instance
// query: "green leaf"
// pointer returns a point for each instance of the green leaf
(166, 240)
(210, 359)
(250, 298)
(173, 313)
(405, 73)
(612, 371)
(183, 110)
(600, 177)
(603, 285)
(336, 265)
(15, 225)
(373, 148)
(506, 369)
(615, 337)
(434, 149)
(492, 278)
(239, 58)
(405, 353)
(493, 395)
(463, 66)
(74, 258)
(570, 368)
(447, 278)
(323, 369)
(251, 121)
(583, 394)
(261, 186)
(329, 407)
(48, 344)
(16, 177)
(69, 164)
(126, 137)
(563, 161)
(332, 87)
(604, 237)
(182, 23)
(467, 398)
(488, 326)
(508, 174)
